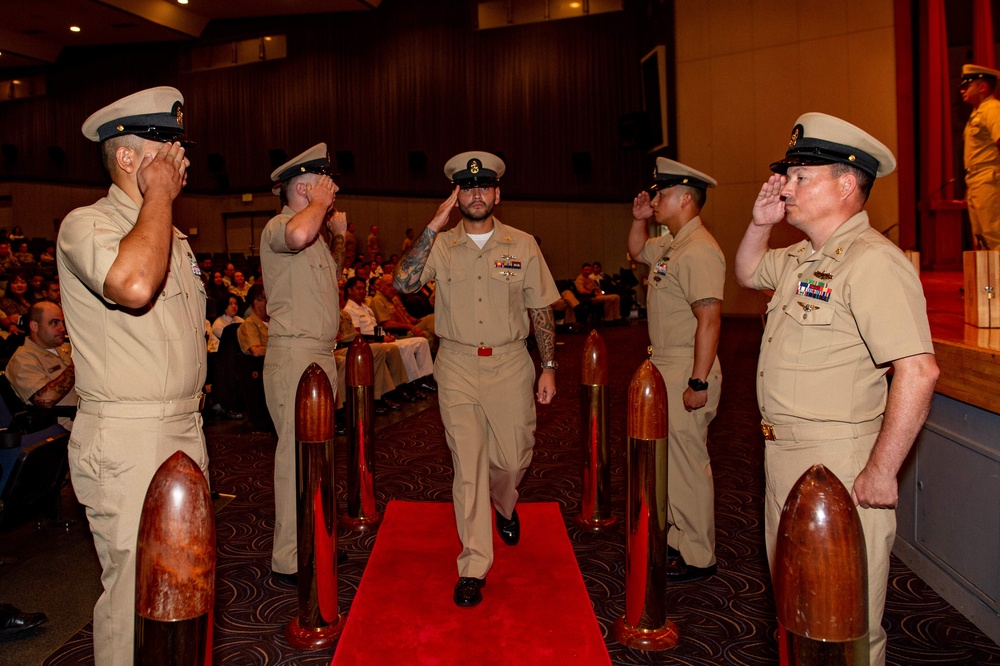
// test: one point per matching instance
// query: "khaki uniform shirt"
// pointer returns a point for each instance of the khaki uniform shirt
(385, 310)
(483, 295)
(982, 131)
(33, 366)
(152, 354)
(302, 297)
(684, 269)
(838, 317)
(252, 332)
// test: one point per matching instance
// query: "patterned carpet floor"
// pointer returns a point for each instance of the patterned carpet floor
(727, 619)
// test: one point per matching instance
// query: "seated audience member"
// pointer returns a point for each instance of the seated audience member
(587, 289)
(36, 288)
(48, 256)
(240, 286)
(52, 292)
(227, 275)
(16, 233)
(387, 370)
(391, 314)
(14, 620)
(408, 240)
(17, 299)
(252, 336)
(230, 306)
(415, 351)
(566, 305)
(23, 255)
(41, 370)
(613, 285)
(252, 333)
(215, 290)
(364, 273)
(8, 262)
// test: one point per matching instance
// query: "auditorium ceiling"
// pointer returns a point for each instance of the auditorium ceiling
(34, 32)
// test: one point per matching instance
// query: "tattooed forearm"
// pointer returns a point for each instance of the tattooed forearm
(406, 277)
(545, 332)
(704, 303)
(338, 251)
(50, 394)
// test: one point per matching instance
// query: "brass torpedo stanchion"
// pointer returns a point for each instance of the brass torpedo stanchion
(362, 512)
(821, 575)
(645, 625)
(595, 503)
(319, 621)
(175, 568)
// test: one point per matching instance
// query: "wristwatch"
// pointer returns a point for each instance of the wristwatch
(549, 365)
(697, 384)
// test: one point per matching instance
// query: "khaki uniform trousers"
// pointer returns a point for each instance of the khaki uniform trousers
(787, 460)
(111, 461)
(983, 194)
(283, 368)
(690, 486)
(612, 304)
(488, 410)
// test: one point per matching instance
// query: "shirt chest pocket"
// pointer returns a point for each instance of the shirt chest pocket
(812, 331)
(166, 318)
(507, 289)
(321, 273)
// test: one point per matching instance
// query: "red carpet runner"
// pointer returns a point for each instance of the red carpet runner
(535, 608)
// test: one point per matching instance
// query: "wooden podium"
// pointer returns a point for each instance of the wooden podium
(942, 233)
(982, 282)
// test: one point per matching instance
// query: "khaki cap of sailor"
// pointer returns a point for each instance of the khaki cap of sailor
(156, 114)
(474, 167)
(819, 138)
(669, 173)
(974, 72)
(314, 160)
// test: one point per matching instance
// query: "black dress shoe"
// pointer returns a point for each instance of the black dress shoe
(467, 591)
(427, 385)
(679, 571)
(13, 620)
(672, 553)
(391, 404)
(418, 394)
(380, 408)
(509, 530)
(404, 395)
(291, 579)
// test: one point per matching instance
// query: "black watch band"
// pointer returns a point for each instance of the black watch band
(697, 384)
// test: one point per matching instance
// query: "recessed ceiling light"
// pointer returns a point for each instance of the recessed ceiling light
(74, 28)
(182, 2)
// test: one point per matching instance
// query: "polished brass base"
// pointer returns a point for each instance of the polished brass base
(650, 640)
(595, 524)
(314, 639)
(361, 523)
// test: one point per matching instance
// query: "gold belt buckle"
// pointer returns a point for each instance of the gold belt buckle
(768, 430)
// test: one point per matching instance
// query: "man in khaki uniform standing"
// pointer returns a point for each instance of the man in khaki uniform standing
(687, 274)
(847, 304)
(982, 153)
(491, 279)
(135, 310)
(302, 300)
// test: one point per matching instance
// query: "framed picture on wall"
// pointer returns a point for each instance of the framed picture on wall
(654, 96)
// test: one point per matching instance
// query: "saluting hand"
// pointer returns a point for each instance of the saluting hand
(440, 218)
(769, 209)
(642, 208)
(164, 171)
(321, 192)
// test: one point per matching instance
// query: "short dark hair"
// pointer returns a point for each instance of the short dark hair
(585, 264)
(351, 281)
(255, 293)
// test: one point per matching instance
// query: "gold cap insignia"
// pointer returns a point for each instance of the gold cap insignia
(120, 128)
(796, 135)
(473, 166)
(851, 158)
(178, 112)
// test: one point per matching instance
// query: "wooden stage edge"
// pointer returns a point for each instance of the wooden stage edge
(969, 357)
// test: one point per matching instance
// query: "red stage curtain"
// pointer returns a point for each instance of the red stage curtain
(983, 52)
(935, 114)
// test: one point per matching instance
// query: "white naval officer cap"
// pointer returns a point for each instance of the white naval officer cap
(156, 114)
(974, 72)
(474, 167)
(668, 173)
(819, 138)
(314, 160)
